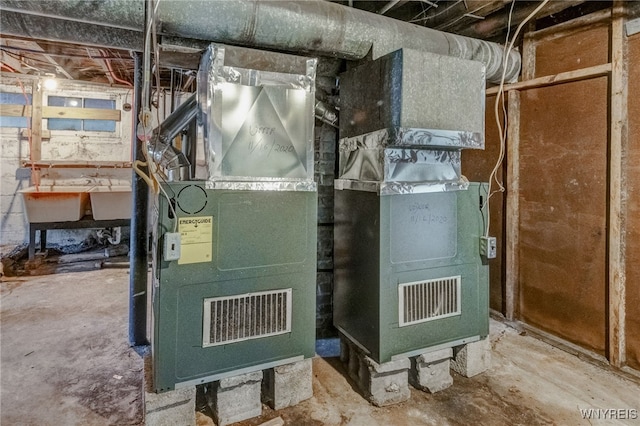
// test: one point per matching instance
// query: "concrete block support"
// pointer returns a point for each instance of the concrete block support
(236, 398)
(287, 385)
(385, 384)
(472, 358)
(382, 384)
(172, 408)
(430, 371)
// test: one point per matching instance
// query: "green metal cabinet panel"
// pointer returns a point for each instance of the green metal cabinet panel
(428, 242)
(242, 295)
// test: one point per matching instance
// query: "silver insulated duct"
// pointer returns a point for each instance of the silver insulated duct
(317, 27)
(324, 28)
(160, 149)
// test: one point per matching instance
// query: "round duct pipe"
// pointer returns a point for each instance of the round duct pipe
(322, 27)
(314, 26)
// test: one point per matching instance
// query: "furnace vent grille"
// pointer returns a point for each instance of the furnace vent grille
(247, 316)
(428, 300)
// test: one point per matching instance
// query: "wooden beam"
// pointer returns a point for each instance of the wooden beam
(12, 62)
(26, 133)
(79, 164)
(528, 56)
(11, 110)
(495, 23)
(563, 77)
(59, 68)
(35, 150)
(95, 55)
(81, 113)
(617, 146)
(513, 207)
(474, 10)
(578, 24)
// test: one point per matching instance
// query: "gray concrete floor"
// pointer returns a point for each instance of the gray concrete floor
(64, 360)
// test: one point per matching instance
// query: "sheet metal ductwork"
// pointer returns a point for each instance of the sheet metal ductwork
(160, 149)
(325, 28)
(317, 27)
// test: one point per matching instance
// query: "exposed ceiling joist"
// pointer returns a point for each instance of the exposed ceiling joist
(118, 24)
(59, 68)
(11, 63)
(494, 24)
(61, 29)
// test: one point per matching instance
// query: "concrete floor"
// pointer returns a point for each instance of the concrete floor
(65, 361)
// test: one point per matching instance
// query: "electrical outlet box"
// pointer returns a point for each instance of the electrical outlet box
(171, 246)
(488, 247)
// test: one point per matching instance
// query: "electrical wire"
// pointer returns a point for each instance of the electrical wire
(64, 55)
(500, 98)
(113, 74)
(426, 18)
(154, 177)
(5, 66)
(466, 15)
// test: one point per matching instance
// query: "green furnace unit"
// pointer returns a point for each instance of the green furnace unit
(242, 295)
(234, 268)
(409, 274)
(408, 270)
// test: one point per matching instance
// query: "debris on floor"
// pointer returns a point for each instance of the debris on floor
(64, 345)
(55, 261)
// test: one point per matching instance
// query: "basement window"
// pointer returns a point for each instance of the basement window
(87, 125)
(14, 99)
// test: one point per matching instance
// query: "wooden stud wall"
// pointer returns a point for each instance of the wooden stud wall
(477, 166)
(36, 112)
(632, 209)
(617, 148)
(580, 69)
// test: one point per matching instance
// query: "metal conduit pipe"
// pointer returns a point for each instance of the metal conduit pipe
(325, 28)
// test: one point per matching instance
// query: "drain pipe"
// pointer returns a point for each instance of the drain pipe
(322, 27)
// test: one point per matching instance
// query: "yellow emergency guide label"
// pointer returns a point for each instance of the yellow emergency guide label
(196, 239)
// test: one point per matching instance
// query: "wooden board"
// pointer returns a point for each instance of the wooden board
(615, 226)
(81, 113)
(9, 110)
(477, 166)
(633, 209)
(563, 211)
(578, 50)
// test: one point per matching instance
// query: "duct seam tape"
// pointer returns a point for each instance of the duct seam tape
(633, 27)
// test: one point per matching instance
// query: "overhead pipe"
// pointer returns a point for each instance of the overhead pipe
(325, 28)
(313, 26)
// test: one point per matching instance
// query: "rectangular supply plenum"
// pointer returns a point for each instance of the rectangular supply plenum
(428, 300)
(247, 316)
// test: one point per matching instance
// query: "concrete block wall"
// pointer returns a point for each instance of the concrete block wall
(12, 179)
(325, 163)
(61, 146)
